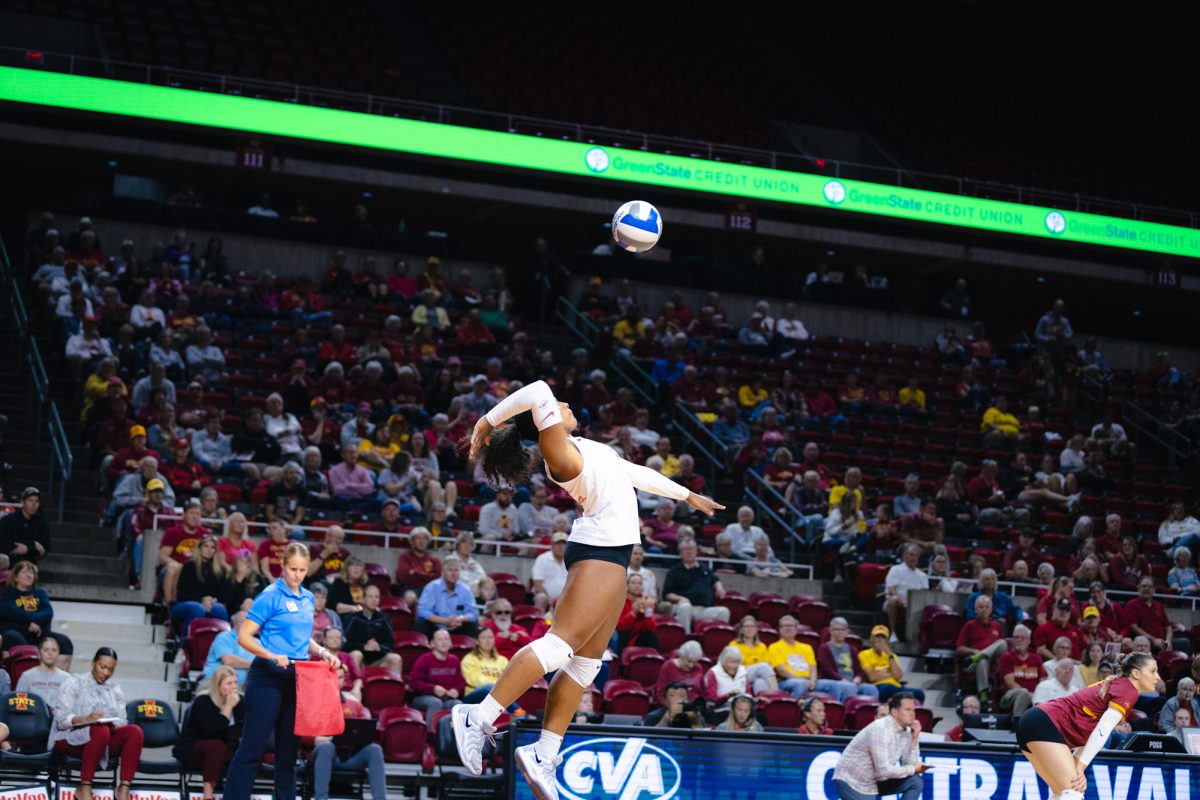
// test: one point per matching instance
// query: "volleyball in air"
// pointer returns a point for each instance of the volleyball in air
(636, 226)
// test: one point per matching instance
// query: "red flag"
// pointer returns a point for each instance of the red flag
(318, 700)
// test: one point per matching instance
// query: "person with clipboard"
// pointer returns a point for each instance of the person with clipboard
(90, 723)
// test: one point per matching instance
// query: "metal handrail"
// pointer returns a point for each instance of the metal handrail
(1177, 445)
(62, 459)
(716, 450)
(515, 123)
(793, 535)
(635, 377)
(577, 322)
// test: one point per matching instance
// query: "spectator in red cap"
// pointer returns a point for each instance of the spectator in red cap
(184, 474)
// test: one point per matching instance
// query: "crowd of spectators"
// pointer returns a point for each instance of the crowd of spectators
(244, 399)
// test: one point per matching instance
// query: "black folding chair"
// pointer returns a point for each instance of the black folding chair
(28, 719)
(157, 721)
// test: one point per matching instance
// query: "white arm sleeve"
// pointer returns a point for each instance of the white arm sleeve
(535, 397)
(1100, 733)
(654, 482)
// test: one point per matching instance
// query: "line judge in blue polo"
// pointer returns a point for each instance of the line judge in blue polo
(277, 631)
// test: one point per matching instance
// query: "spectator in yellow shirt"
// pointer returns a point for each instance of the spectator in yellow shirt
(759, 674)
(851, 482)
(795, 665)
(629, 328)
(482, 666)
(912, 397)
(662, 448)
(376, 452)
(430, 315)
(882, 667)
(998, 424)
(752, 395)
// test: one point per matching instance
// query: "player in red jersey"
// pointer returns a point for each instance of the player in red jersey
(1061, 737)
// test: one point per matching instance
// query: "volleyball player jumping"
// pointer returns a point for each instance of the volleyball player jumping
(1061, 737)
(598, 551)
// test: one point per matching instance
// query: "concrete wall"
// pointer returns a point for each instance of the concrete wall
(888, 326)
(252, 253)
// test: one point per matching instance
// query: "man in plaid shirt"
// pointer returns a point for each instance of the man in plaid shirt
(884, 758)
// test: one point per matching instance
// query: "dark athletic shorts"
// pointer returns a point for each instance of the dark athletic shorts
(585, 552)
(1035, 726)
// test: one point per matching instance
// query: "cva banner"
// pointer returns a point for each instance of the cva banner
(648, 764)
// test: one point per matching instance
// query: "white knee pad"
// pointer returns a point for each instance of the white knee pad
(582, 670)
(552, 652)
(1069, 794)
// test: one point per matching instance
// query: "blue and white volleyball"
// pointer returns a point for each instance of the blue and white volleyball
(636, 226)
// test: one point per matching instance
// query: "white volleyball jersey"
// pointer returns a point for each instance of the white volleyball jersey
(604, 491)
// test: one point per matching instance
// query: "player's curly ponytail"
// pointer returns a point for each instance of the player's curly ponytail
(506, 460)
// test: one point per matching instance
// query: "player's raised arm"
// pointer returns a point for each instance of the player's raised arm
(649, 480)
(506, 458)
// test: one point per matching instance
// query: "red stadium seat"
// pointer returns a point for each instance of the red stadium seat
(670, 634)
(626, 697)
(813, 613)
(835, 715)
(1173, 664)
(853, 703)
(410, 646)
(533, 701)
(22, 657)
(715, 639)
(511, 589)
(396, 611)
(770, 610)
(461, 644)
(738, 606)
(383, 690)
(939, 631)
(781, 712)
(868, 579)
(404, 735)
(378, 575)
(198, 640)
(642, 667)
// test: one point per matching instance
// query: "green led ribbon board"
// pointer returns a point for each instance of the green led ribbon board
(573, 158)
